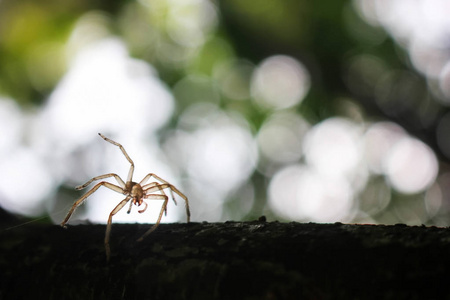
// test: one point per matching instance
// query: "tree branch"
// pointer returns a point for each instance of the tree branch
(232, 260)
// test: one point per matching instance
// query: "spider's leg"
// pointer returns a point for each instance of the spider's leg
(91, 191)
(173, 197)
(173, 189)
(161, 189)
(154, 186)
(166, 200)
(149, 175)
(108, 226)
(130, 173)
(149, 185)
(146, 178)
(117, 177)
(129, 209)
(165, 209)
(188, 212)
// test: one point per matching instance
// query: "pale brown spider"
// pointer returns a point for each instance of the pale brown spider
(136, 192)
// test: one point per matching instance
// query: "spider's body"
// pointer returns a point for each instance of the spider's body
(136, 192)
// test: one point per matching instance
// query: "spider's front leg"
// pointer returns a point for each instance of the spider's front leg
(130, 173)
(108, 226)
(91, 191)
(117, 177)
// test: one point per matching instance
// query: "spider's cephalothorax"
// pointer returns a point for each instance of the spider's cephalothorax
(136, 192)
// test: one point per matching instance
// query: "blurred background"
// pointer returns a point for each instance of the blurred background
(288, 109)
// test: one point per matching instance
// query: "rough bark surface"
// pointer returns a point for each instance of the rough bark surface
(232, 260)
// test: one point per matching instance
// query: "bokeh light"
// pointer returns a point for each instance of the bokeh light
(419, 26)
(408, 163)
(300, 193)
(334, 147)
(411, 166)
(11, 118)
(218, 152)
(379, 140)
(280, 82)
(26, 181)
(106, 89)
(25, 192)
(323, 189)
(280, 140)
(189, 22)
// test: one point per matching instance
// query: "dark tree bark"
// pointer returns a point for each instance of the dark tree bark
(232, 260)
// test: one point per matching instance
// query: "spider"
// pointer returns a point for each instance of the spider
(136, 192)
